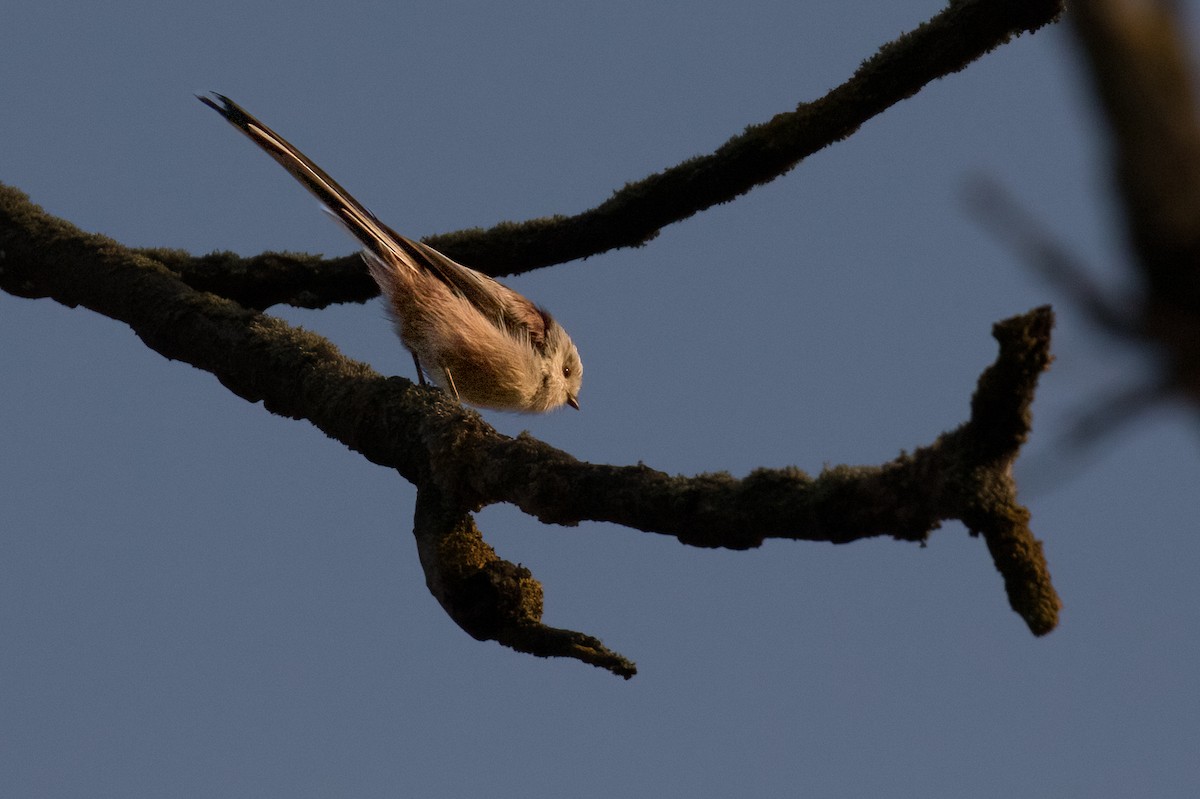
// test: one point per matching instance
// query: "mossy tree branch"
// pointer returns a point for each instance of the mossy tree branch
(963, 32)
(460, 464)
(201, 311)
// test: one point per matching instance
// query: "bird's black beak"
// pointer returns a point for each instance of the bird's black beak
(574, 403)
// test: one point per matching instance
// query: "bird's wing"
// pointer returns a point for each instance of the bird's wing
(494, 299)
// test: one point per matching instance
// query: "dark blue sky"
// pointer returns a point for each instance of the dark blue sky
(200, 599)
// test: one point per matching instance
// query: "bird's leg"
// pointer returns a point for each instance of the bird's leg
(450, 380)
(420, 374)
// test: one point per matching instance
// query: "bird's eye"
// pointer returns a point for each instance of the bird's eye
(566, 371)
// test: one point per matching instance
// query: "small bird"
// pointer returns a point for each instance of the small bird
(477, 339)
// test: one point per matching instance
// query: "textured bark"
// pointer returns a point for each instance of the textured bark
(201, 311)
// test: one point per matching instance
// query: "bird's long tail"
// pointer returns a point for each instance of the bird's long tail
(376, 237)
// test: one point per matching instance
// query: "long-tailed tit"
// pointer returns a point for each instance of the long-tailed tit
(479, 340)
